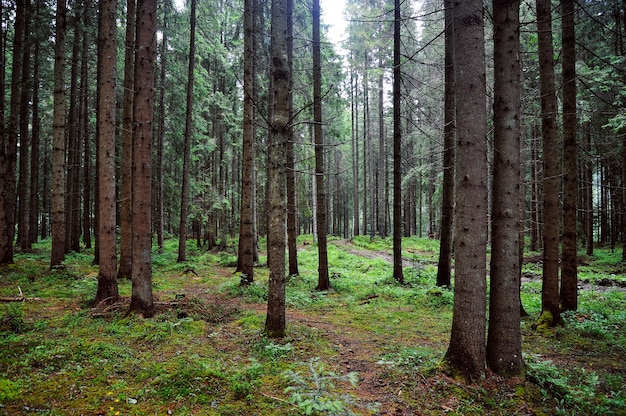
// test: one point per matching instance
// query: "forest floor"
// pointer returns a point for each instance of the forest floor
(368, 346)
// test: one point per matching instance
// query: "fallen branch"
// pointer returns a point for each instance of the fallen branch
(20, 298)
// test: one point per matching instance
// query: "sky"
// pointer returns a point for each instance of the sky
(332, 14)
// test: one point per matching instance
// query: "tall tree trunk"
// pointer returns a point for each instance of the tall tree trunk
(245, 261)
(504, 341)
(142, 300)
(8, 151)
(550, 314)
(323, 281)
(444, 267)
(84, 120)
(126, 187)
(34, 199)
(184, 198)
(466, 352)
(58, 141)
(397, 150)
(569, 261)
(24, 172)
(290, 174)
(159, 185)
(279, 135)
(354, 79)
(381, 183)
(588, 186)
(107, 279)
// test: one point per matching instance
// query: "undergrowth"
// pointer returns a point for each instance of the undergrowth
(367, 345)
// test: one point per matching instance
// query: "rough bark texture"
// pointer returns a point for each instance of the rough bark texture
(126, 188)
(141, 299)
(279, 135)
(290, 174)
(444, 268)
(184, 198)
(24, 171)
(323, 280)
(397, 150)
(245, 263)
(569, 261)
(58, 142)
(504, 341)
(107, 276)
(466, 352)
(551, 172)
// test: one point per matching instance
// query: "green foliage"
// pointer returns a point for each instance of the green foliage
(314, 391)
(12, 318)
(9, 390)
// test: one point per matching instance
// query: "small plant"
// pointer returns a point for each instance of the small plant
(314, 393)
(12, 318)
(9, 390)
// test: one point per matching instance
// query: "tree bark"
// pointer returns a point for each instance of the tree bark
(126, 187)
(466, 352)
(569, 261)
(184, 198)
(279, 135)
(444, 268)
(24, 171)
(504, 340)
(246, 241)
(550, 314)
(58, 141)
(107, 278)
(290, 174)
(397, 150)
(142, 300)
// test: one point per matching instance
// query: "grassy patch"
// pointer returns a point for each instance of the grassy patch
(367, 345)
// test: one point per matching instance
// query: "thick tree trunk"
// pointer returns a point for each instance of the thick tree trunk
(550, 314)
(504, 341)
(142, 300)
(58, 141)
(279, 135)
(569, 261)
(107, 279)
(126, 187)
(466, 352)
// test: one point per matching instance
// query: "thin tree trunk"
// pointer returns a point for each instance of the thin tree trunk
(323, 282)
(444, 268)
(159, 186)
(34, 146)
(292, 230)
(184, 198)
(588, 173)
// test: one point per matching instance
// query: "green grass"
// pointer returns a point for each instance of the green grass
(369, 344)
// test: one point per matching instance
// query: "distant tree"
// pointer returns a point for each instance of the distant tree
(504, 340)
(126, 187)
(444, 266)
(142, 300)
(279, 135)
(107, 275)
(550, 313)
(569, 260)
(58, 140)
(184, 199)
(466, 351)
(290, 174)
(397, 150)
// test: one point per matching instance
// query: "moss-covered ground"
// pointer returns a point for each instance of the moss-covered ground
(368, 346)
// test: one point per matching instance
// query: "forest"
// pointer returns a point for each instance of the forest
(215, 208)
